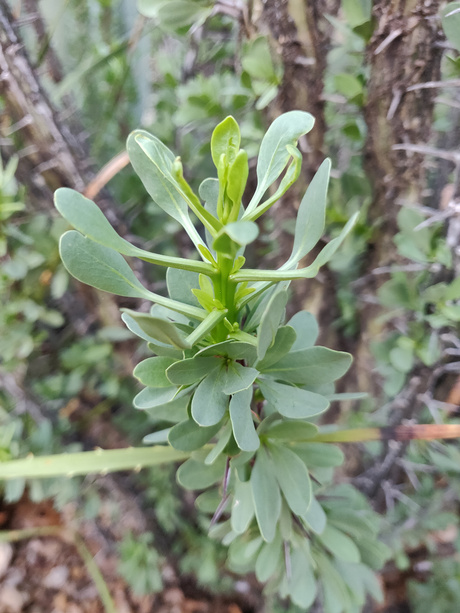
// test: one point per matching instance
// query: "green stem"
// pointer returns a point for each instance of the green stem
(355, 435)
(89, 462)
(224, 291)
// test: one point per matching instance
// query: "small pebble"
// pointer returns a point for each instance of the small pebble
(56, 578)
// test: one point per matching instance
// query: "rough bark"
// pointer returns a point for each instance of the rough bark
(403, 53)
(302, 36)
(50, 157)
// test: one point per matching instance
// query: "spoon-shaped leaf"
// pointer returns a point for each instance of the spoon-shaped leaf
(273, 154)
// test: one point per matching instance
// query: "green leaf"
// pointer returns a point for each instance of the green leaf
(235, 235)
(313, 366)
(99, 266)
(189, 436)
(242, 422)
(153, 162)
(284, 341)
(159, 437)
(269, 322)
(235, 350)
(237, 377)
(222, 441)
(242, 507)
(340, 545)
(191, 370)
(266, 495)
(159, 329)
(270, 559)
(292, 402)
(294, 430)
(180, 284)
(306, 328)
(319, 454)
(290, 177)
(293, 479)
(209, 403)
(151, 372)
(158, 348)
(311, 215)
(450, 16)
(86, 217)
(195, 475)
(303, 585)
(237, 179)
(225, 141)
(315, 517)
(153, 397)
(273, 154)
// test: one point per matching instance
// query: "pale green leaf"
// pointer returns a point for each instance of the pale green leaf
(319, 454)
(269, 322)
(242, 507)
(242, 422)
(292, 402)
(315, 517)
(313, 366)
(159, 329)
(293, 479)
(152, 397)
(340, 545)
(306, 328)
(450, 15)
(273, 154)
(294, 430)
(191, 370)
(153, 162)
(151, 372)
(189, 436)
(237, 377)
(194, 475)
(209, 403)
(266, 495)
(302, 585)
(270, 559)
(310, 220)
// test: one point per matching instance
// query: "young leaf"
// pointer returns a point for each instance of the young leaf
(311, 215)
(159, 329)
(235, 235)
(293, 479)
(242, 507)
(189, 436)
(313, 366)
(158, 348)
(209, 403)
(236, 183)
(266, 495)
(225, 141)
(292, 402)
(190, 370)
(153, 162)
(242, 423)
(151, 372)
(269, 322)
(273, 154)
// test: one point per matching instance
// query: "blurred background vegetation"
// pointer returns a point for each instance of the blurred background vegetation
(383, 82)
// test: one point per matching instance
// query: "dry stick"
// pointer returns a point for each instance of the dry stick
(106, 173)
(91, 566)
